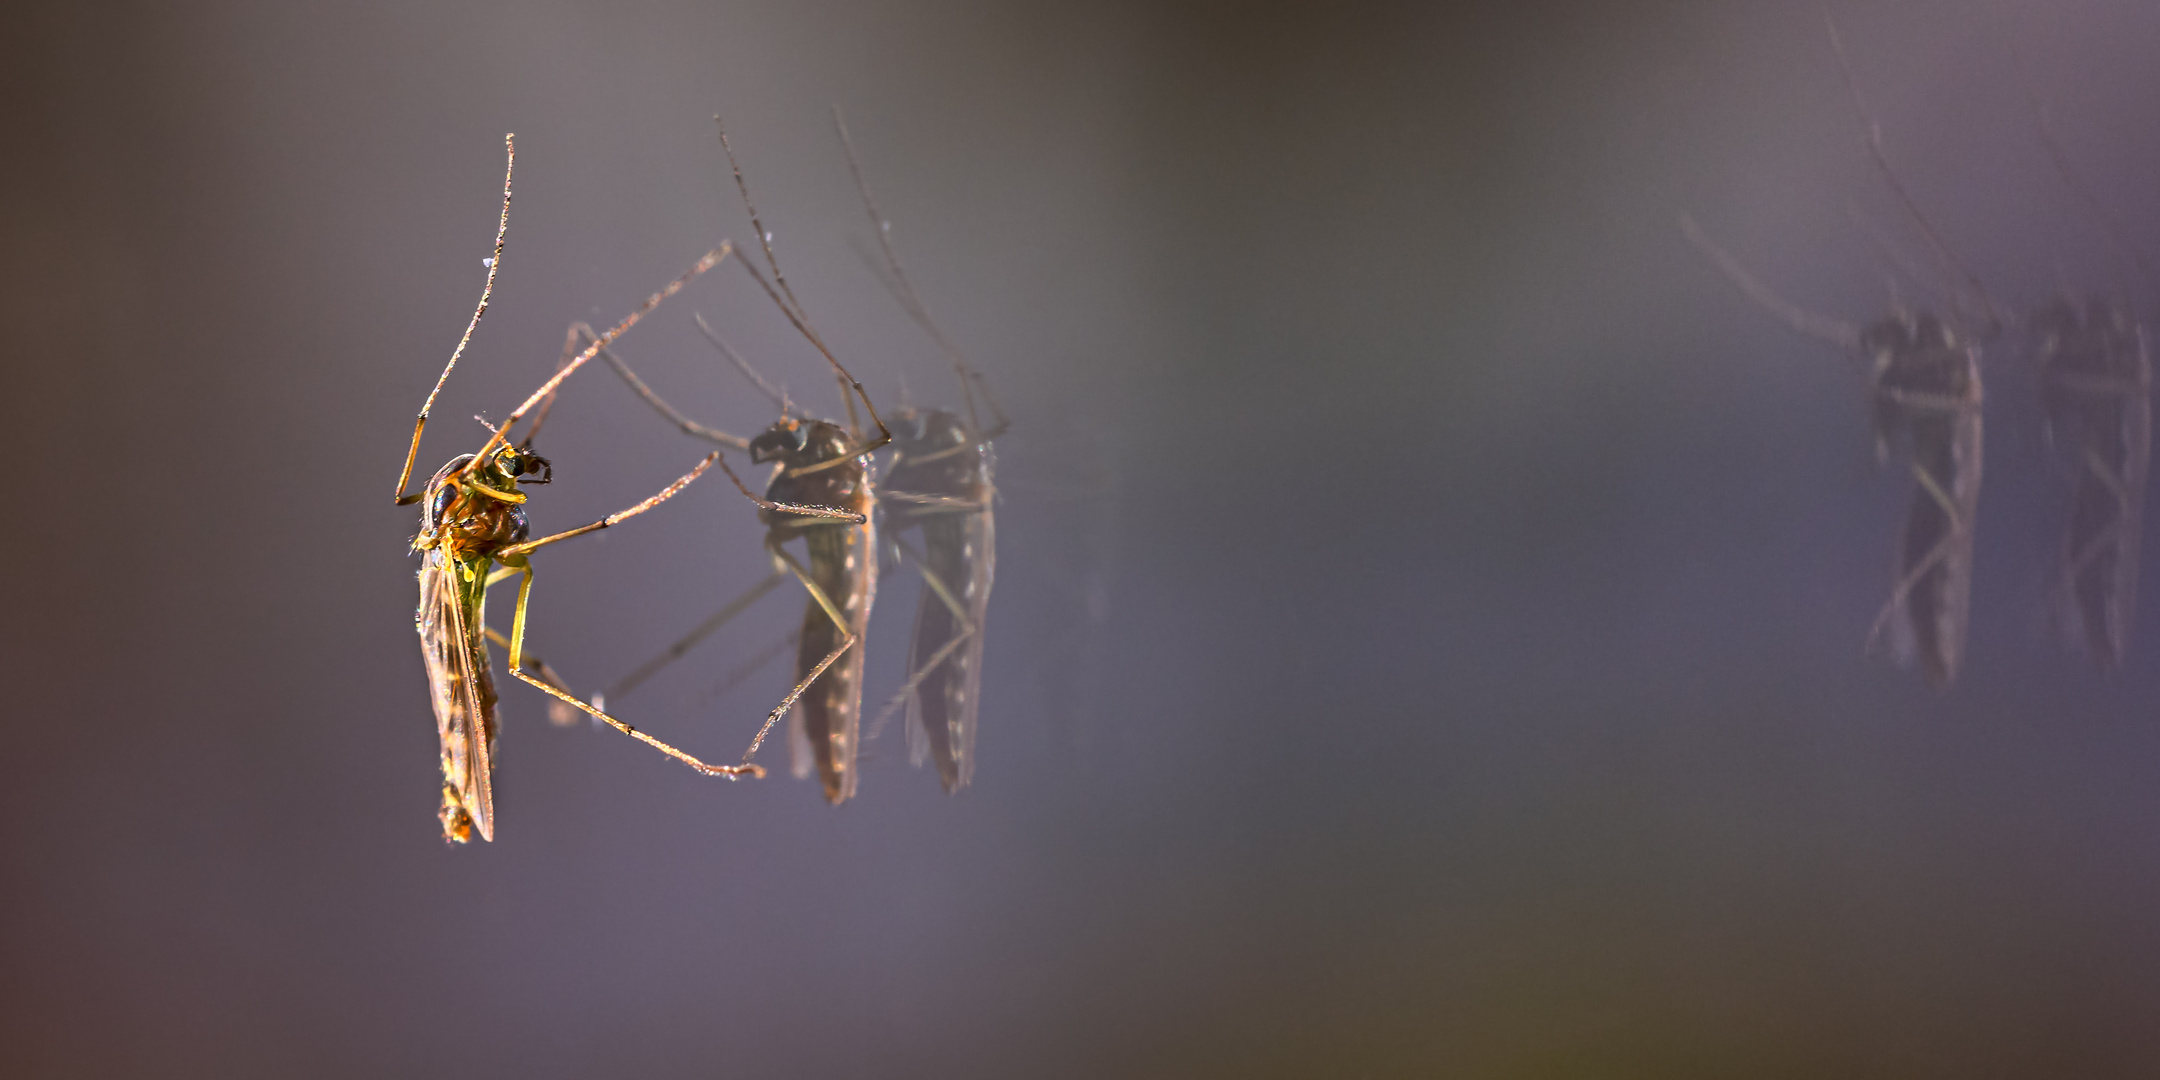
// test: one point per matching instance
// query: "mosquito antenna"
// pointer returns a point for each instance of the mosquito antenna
(704, 263)
(2072, 177)
(771, 392)
(487, 292)
(1952, 268)
(794, 311)
(1844, 335)
(904, 291)
(802, 326)
(742, 186)
(1902, 266)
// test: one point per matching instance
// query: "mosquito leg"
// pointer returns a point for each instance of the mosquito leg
(517, 658)
(665, 494)
(690, 640)
(847, 639)
(968, 629)
(2109, 539)
(791, 508)
(558, 714)
(494, 263)
(688, 426)
(802, 325)
(2115, 483)
(751, 666)
(1936, 555)
(706, 262)
(935, 503)
(896, 280)
(569, 349)
(1952, 268)
(772, 393)
(790, 306)
(1841, 334)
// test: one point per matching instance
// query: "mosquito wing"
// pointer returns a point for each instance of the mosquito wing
(961, 550)
(1935, 551)
(843, 561)
(449, 622)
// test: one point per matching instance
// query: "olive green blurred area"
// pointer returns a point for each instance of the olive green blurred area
(1429, 637)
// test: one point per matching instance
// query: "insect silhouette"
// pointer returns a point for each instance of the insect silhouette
(474, 533)
(939, 481)
(821, 492)
(2096, 387)
(1924, 388)
(2096, 390)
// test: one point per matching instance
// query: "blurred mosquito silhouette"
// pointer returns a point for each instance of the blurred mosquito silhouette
(472, 521)
(2096, 390)
(1923, 376)
(821, 491)
(939, 481)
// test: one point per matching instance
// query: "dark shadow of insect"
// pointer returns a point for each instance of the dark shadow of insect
(473, 533)
(939, 481)
(1924, 387)
(2096, 390)
(822, 493)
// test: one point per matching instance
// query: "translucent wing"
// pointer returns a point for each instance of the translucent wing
(961, 549)
(449, 622)
(843, 561)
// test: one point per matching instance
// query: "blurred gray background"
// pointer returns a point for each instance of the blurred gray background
(1429, 631)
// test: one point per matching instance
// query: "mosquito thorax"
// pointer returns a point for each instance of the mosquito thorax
(476, 522)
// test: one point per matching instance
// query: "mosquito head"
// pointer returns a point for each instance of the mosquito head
(785, 439)
(510, 466)
(795, 442)
(917, 432)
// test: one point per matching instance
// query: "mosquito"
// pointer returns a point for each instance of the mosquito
(939, 481)
(2096, 386)
(822, 491)
(1924, 384)
(473, 533)
(2096, 389)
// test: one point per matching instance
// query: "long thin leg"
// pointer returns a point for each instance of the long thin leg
(772, 393)
(847, 640)
(802, 324)
(968, 629)
(1841, 334)
(790, 508)
(1951, 266)
(703, 264)
(904, 292)
(793, 309)
(569, 349)
(751, 666)
(935, 503)
(2113, 536)
(517, 657)
(558, 714)
(494, 263)
(1935, 557)
(690, 640)
(665, 494)
(688, 426)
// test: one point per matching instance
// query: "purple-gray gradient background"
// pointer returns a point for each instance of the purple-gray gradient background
(1429, 631)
